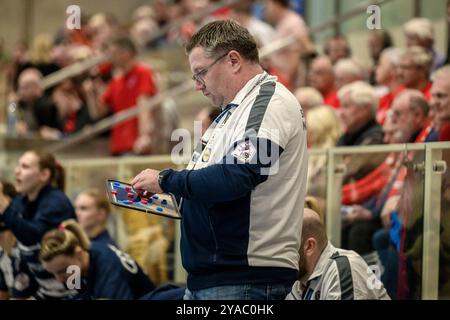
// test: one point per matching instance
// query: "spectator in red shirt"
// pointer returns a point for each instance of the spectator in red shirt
(386, 74)
(321, 78)
(132, 87)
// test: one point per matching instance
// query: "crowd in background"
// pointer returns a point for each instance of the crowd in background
(404, 97)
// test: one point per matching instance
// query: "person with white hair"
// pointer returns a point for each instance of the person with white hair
(358, 107)
(386, 75)
(420, 32)
(347, 71)
(414, 70)
(308, 97)
(359, 103)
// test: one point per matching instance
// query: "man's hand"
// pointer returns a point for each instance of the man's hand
(147, 180)
(4, 200)
(358, 213)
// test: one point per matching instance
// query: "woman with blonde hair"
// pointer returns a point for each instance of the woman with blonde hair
(96, 270)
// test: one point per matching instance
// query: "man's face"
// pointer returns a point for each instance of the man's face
(28, 89)
(321, 75)
(119, 56)
(440, 98)
(210, 74)
(352, 115)
(383, 72)
(29, 176)
(88, 214)
(337, 49)
(402, 118)
(409, 73)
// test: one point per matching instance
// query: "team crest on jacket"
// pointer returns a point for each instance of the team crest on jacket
(244, 151)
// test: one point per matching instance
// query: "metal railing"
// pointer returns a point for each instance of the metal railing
(433, 168)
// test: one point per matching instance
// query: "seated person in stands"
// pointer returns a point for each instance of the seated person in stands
(414, 70)
(67, 115)
(9, 253)
(92, 210)
(410, 113)
(358, 107)
(106, 272)
(347, 71)
(321, 77)
(30, 100)
(329, 273)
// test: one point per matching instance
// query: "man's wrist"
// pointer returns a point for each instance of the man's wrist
(162, 176)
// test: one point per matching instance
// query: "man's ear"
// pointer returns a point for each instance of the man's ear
(235, 59)
(310, 246)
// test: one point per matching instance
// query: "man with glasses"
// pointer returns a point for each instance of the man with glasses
(244, 187)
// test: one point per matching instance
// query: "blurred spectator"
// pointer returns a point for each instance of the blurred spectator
(260, 30)
(414, 70)
(440, 102)
(68, 114)
(133, 87)
(321, 78)
(324, 127)
(358, 106)
(207, 115)
(40, 56)
(336, 48)
(329, 273)
(102, 28)
(346, 71)
(410, 115)
(287, 23)
(309, 98)
(379, 40)
(323, 131)
(144, 28)
(9, 252)
(93, 210)
(41, 206)
(386, 74)
(32, 102)
(420, 32)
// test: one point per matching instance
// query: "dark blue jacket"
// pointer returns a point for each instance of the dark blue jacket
(29, 221)
(113, 274)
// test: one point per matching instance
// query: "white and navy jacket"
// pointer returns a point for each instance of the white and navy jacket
(244, 191)
(340, 275)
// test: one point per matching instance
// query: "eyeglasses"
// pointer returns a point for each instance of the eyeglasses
(202, 73)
